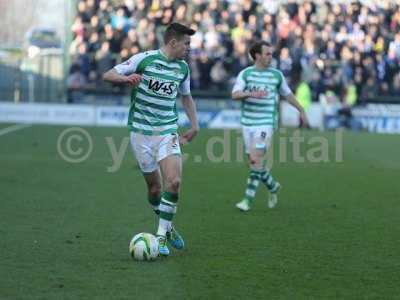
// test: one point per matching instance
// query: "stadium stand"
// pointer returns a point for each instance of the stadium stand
(329, 50)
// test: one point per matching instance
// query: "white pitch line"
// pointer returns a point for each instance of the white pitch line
(13, 128)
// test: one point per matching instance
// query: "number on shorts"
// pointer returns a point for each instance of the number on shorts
(174, 140)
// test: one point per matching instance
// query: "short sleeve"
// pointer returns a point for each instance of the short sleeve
(284, 89)
(240, 83)
(184, 88)
(130, 66)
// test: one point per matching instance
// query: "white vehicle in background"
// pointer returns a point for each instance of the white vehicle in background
(39, 39)
(42, 64)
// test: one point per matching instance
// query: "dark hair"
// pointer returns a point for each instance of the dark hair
(176, 31)
(256, 48)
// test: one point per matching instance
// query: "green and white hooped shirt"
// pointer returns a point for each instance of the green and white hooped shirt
(261, 111)
(153, 101)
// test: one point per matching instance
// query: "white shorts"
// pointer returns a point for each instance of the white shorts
(150, 149)
(257, 137)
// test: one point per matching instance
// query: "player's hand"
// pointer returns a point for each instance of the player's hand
(188, 136)
(134, 79)
(258, 94)
(304, 121)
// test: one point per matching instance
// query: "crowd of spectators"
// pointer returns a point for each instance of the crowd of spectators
(350, 51)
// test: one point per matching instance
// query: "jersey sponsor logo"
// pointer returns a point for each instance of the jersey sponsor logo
(163, 88)
(256, 88)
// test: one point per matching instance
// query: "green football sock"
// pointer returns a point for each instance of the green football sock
(167, 211)
(252, 184)
(268, 180)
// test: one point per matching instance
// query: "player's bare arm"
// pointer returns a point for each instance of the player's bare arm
(190, 109)
(293, 101)
(113, 76)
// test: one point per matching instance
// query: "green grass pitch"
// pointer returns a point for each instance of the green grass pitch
(65, 228)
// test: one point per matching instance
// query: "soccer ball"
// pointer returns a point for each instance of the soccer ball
(144, 246)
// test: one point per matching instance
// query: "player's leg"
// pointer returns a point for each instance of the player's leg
(142, 148)
(169, 160)
(271, 184)
(153, 181)
(265, 175)
(255, 156)
(171, 170)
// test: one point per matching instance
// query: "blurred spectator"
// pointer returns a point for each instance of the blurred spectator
(82, 60)
(78, 27)
(395, 45)
(130, 40)
(350, 97)
(330, 102)
(120, 21)
(395, 90)
(303, 94)
(94, 43)
(285, 62)
(219, 75)
(76, 81)
(83, 11)
(104, 59)
(369, 90)
(336, 47)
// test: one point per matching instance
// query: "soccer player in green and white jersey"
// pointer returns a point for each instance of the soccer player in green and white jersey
(158, 77)
(259, 87)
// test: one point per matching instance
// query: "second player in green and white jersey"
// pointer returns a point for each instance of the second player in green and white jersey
(261, 111)
(259, 88)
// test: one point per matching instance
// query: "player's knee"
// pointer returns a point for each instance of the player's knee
(174, 184)
(253, 160)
